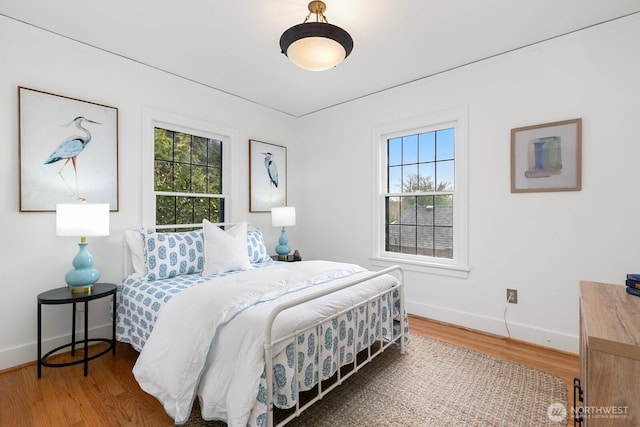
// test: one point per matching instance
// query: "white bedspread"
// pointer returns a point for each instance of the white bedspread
(191, 351)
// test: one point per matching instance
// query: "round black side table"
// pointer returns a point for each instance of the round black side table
(65, 296)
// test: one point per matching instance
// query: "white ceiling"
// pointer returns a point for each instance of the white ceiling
(233, 45)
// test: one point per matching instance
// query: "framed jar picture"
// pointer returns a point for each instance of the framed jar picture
(547, 157)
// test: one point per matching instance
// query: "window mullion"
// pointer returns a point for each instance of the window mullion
(419, 193)
(180, 194)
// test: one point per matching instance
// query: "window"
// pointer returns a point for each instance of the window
(185, 175)
(419, 194)
(187, 178)
(422, 193)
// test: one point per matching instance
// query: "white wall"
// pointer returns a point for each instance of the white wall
(541, 244)
(33, 258)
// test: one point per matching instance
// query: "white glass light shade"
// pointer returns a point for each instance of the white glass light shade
(283, 217)
(82, 219)
(316, 46)
(316, 53)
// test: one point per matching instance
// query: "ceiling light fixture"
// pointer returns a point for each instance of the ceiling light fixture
(316, 46)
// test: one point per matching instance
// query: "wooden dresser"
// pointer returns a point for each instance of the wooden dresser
(609, 355)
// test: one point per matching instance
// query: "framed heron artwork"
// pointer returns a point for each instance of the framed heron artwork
(68, 151)
(267, 176)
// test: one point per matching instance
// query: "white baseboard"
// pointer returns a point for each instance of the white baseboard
(519, 331)
(15, 356)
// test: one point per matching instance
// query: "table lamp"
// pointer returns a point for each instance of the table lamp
(82, 220)
(283, 217)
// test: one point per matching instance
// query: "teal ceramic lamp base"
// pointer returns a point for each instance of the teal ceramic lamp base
(283, 248)
(83, 275)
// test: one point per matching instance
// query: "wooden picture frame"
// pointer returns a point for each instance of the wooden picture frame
(267, 176)
(547, 157)
(68, 151)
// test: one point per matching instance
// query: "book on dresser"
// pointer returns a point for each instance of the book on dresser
(633, 291)
(633, 281)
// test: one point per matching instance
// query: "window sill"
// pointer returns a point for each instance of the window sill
(422, 267)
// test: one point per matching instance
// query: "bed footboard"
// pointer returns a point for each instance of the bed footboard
(384, 334)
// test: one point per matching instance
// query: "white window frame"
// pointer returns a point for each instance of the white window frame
(153, 118)
(458, 266)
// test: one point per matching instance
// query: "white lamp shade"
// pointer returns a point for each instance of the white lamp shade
(283, 217)
(82, 219)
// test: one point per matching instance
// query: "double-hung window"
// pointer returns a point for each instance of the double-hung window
(188, 181)
(421, 217)
(187, 177)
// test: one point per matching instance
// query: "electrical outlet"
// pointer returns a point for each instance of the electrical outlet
(512, 296)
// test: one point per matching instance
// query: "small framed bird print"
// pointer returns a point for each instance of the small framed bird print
(267, 176)
(68, 151)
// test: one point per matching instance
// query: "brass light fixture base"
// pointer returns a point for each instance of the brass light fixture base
(317, 7)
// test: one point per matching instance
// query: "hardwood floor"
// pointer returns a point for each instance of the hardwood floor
(110, 396)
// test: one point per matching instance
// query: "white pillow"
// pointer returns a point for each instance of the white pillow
(225, 250)
(136, 249)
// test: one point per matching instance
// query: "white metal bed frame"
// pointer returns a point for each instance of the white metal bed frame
(384, 342)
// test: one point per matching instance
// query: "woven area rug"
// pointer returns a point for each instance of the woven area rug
(435, 384)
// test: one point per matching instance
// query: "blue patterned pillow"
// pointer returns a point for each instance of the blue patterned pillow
(173, 254)
(255, 247)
